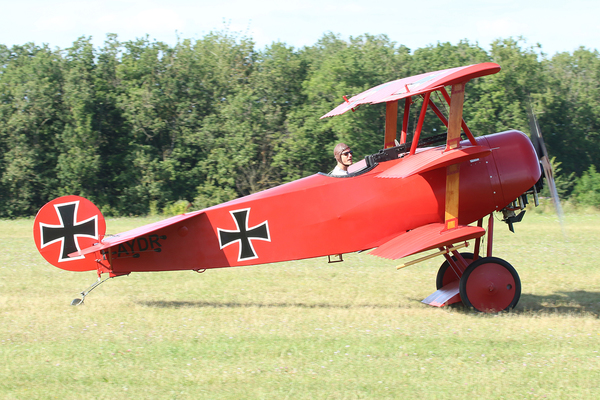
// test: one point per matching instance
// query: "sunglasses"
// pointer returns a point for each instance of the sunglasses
(346, 153)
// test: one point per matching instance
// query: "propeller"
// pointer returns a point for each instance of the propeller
(542, 153)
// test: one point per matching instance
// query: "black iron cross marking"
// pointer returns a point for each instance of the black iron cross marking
(244, 234)
(68, 231)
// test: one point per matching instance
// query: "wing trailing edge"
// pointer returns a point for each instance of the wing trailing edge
(424, 238)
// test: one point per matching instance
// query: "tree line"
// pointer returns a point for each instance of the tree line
(137, 126)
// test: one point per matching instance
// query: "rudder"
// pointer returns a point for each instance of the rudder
(65, 225)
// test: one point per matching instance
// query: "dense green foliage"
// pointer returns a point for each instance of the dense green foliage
(587, 189)
(140, 125)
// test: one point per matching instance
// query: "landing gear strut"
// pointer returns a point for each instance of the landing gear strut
(450, 273)
(486, 284)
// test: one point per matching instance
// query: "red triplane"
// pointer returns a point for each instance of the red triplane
(406, 199)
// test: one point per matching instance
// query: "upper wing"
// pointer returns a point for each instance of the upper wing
(415, 85)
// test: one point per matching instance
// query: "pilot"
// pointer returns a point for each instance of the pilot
(343, 156)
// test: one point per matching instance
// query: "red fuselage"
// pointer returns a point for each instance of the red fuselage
(322, 215)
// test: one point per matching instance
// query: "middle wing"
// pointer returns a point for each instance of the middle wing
(434, 158)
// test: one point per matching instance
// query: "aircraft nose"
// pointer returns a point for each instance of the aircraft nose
(517, 164)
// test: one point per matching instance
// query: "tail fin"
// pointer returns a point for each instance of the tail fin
(66, 225)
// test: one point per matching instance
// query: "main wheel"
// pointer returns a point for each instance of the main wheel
(446, 275)
(490, 284)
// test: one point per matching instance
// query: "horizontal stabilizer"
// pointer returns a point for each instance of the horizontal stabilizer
(432, 159)
(443, 295)
(424, 238)
(114, 240)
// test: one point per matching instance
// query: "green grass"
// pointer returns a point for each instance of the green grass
(303, 330)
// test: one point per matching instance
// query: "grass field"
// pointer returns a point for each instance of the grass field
(305, 329)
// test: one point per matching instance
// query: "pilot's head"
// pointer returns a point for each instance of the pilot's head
(343, 154)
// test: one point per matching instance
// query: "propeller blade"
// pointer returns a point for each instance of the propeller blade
(540, 148)
(535, 139)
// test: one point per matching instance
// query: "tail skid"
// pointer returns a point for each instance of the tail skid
(79, 301)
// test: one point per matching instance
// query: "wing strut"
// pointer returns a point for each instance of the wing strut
(453, 142)
(463, 124)
(405, 118)
(391, 121)
(417, 135)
